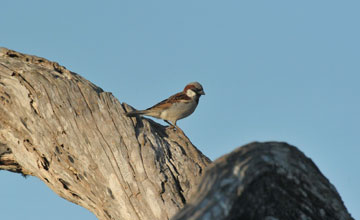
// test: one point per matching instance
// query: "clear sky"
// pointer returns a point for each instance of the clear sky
(272, 70)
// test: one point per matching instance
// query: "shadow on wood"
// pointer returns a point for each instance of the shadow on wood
(264, 181)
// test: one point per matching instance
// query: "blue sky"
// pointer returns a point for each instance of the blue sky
(272, 70)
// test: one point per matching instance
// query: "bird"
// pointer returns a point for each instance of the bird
(175, 107)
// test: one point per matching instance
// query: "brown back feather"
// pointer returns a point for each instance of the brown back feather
(174, 98)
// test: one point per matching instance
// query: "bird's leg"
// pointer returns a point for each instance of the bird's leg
(174, 126)
(171, 125)
(178, 129)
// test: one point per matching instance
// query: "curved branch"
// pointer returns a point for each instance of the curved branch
(58, 126)
(267, 181)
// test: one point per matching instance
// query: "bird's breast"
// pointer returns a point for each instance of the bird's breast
(179, 110)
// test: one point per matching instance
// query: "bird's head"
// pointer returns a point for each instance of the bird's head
(194, 89)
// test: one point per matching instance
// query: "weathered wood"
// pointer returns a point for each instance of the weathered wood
(71, 134)
(264, 181)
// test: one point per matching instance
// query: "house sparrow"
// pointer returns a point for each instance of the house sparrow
(176, 107)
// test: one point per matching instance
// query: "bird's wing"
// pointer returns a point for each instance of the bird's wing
(164, 104)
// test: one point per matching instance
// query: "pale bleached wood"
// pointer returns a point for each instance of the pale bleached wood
(61, 128)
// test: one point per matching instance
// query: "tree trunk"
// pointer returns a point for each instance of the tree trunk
(61, 128)
(264, 181)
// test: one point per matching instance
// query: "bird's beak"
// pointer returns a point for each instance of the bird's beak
(202, 93)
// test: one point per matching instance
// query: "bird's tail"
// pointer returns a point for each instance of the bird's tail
(135, 113)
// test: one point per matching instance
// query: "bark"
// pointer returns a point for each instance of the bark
(61, 128)
(264, 181)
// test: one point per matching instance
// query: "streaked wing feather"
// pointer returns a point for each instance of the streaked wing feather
(178, 97)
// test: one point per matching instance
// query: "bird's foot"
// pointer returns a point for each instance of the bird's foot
(178, 130)
(172, 127)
